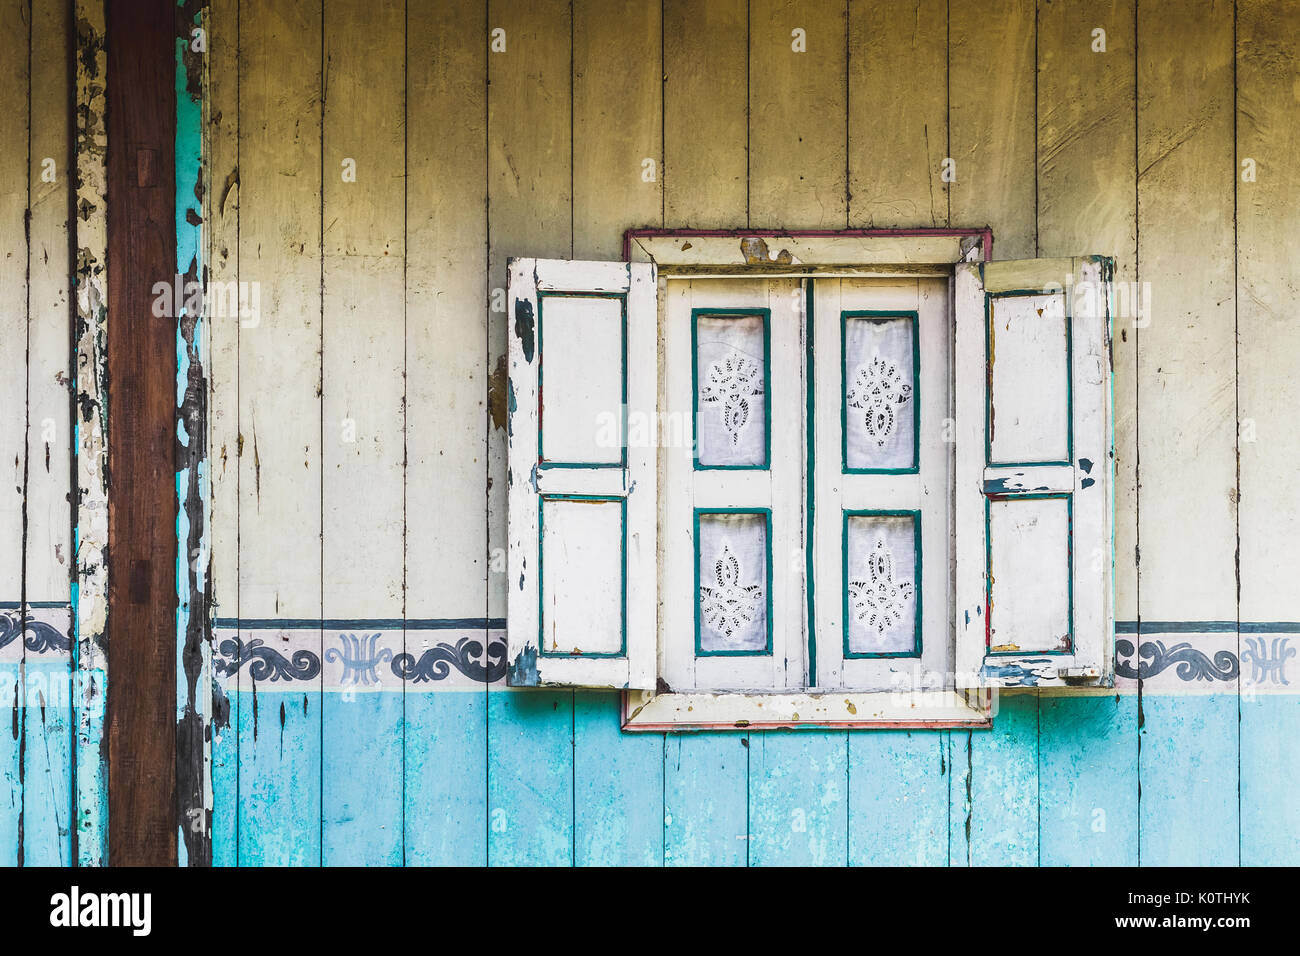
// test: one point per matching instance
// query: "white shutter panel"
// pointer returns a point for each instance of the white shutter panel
(582, 558)
(1033, 473)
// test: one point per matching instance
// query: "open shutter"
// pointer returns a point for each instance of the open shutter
(582, 508)
(1033, 473)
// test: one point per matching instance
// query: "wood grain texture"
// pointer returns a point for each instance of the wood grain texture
(279, 439)
(706, 113)
(797, 107)
(898, 113)
(447, 423)
(14, 37)
(1268, 286)
(142, 497)
(991, 122)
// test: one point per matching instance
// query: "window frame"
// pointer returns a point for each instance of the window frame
(850, 253)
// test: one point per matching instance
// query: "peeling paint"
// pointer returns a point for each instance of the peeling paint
(523, 672)
(525, 328)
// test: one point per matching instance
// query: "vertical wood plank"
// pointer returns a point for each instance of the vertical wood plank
(1087, 203)
(90, 604)
(446, 430)
(618, 787)
(221, 137)
(798, 799)
(995, 794)
(47, 774)
(706, 805)
(364, 416)
(706, 110)
(1187, 409)
(898, 798)
(797, 123)
(141, 711)
(530, 735)
(898, 113)
(1268, 286)
(1088, 790)
(279, 440)
(13, 389)
(992, 121)
(617, 127)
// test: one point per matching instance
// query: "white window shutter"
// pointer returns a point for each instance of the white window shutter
(1034, 469)
(581, 608)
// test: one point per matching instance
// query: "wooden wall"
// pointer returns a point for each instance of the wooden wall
(357, 453)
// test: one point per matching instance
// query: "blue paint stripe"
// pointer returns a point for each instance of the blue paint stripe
(377, 623)
(14, 605)
(1207, 627)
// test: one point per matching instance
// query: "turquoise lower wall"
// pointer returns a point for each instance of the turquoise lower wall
(519, 778)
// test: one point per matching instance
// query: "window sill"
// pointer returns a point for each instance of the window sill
(927, 710)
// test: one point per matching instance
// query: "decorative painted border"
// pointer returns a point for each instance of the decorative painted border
(766, 513)
(988, 572)
(766, 315)
(621, 297)
(541, 573)
(878, 315)
(1068, 461)
(358, 655)
(915, 515)
(46, 631)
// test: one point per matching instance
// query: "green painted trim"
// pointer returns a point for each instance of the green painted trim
(880, 315)
(766, 315)
(541, 575)
(810, 478)
(541, 405)
(988, 570)
(1069, 379)
(767, 518)
(917, 567)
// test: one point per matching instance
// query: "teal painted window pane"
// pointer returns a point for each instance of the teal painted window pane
(731, 398)
(733, 583)
(882, 584)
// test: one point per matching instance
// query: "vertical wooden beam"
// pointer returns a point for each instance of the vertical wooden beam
(90, 597)
(14, 173)
(142, 368)
(1268, 287)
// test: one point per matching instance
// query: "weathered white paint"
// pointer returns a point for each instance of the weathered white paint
(928, 491)
(632, 484)
(1027, 565)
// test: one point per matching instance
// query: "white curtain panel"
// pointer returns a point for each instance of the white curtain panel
(731, 396)
(882, 582)
(879, 392)
(733, 582)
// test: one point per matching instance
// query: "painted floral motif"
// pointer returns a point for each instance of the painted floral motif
(877, 389)
(879, 603)
(731, 607)
(733, 381)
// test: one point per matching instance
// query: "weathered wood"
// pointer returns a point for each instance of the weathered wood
(1268, 286)
(898, 799)
(798, 799)
(221, 141)
(448, 416)
(363, 428)
(279, 440)
(90, 610)
(1087, 203)
(706, 110)
(991, 117)
(14, 184)
(47, 771)
(1187, 410)
(898, 113)
(706, 794)
(142, 497)
(530, 213)
(798, 164)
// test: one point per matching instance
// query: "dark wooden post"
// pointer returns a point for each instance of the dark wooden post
(142, 420)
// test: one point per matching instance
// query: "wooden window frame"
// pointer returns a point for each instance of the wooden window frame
(758, 253)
